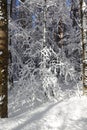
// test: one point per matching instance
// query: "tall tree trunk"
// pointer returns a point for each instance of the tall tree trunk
(45, 18)
(3, 58)
(84, 43)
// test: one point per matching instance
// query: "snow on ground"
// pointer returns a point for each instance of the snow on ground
(68, 114)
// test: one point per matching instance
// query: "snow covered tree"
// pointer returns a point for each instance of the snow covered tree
(46, 48)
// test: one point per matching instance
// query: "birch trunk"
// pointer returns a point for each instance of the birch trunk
(45, 17)
(84, 44)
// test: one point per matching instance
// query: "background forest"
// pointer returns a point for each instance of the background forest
(45, 52)
(47, 88)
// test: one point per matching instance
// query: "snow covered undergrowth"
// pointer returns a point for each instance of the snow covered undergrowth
(68, 114)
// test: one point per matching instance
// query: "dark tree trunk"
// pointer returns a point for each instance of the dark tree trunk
(3, 59)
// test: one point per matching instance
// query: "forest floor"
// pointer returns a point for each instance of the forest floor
(68, 114)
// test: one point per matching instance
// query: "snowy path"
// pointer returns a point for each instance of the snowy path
(70, 114)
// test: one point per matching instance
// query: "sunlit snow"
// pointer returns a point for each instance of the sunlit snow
(68, 114)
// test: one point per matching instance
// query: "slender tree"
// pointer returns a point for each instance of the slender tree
(84, 42)
(3, 58)
(14, 14)
(45, 17)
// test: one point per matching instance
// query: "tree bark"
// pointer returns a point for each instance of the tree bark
(3, 59)
(45, 18)
(84, 43)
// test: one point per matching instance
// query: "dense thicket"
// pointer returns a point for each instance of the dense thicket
(50, 68)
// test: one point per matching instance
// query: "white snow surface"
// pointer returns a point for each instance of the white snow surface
(67, 114)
